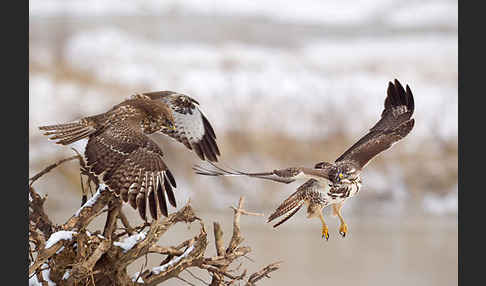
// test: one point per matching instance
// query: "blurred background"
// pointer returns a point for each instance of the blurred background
(283, 83)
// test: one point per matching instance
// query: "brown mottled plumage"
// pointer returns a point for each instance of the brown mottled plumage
(333, 183)
(124, 158)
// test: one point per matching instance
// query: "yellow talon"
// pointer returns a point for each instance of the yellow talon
(343, 229)
(325, 232)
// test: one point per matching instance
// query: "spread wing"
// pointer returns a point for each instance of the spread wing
(131, 165)
(192, 127)
(286, 176)
(395, 124)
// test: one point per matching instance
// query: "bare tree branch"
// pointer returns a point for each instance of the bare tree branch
(50, 167)
(69, 254)
(264, 272)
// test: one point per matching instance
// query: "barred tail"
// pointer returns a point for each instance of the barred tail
(292, 204)
(69, 132)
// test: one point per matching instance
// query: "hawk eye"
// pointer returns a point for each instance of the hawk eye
(169, 124)
(340, 175)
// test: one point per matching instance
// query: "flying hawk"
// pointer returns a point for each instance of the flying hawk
(121, 155)
(333, 183)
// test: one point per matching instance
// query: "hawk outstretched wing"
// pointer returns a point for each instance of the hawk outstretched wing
(395, 124)
(192, 127)
(131, 164)
(287, 175)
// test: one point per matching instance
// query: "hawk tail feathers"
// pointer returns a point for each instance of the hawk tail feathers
(291, 206)
(69, 132)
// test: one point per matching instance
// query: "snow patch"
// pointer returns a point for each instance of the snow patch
(93, 199)
(139, 280)
(60, 235)
(129, 242)
(175, 260)
(33, 281)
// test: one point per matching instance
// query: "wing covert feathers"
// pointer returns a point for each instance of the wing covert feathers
(131, 165)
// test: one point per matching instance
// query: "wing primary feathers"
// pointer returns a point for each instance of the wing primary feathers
(211, 149)
(141, 205)
(162, 201)
(152, 203)
(169, 176)
(410, 101)
(198, 151)
(170, 193)
(207, 150)
(214, 146)
(399, 108)
(208, 127)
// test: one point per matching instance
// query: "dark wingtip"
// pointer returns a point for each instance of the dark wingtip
(207, 126)
(171, 178)
(162, 203)
(399, 88)
(396, 95)
(412, 123)
(410, 100)
(170, 193)
(198, 151)
(152, 205)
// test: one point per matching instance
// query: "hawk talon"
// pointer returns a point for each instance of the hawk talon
(325, 233)
(343, 229)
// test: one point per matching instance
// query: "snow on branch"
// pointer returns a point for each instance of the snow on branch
(68, 254)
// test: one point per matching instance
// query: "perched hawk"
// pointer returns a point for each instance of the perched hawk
(333, 183)
(121, 155)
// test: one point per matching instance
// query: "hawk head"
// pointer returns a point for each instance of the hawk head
(163, 114)
(343, 173)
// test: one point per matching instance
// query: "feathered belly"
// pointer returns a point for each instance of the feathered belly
(341, 193)
(323, 194)
(320, 195)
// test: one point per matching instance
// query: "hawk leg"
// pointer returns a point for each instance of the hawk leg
(325, 230)
(343, 228)
(91, 178)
